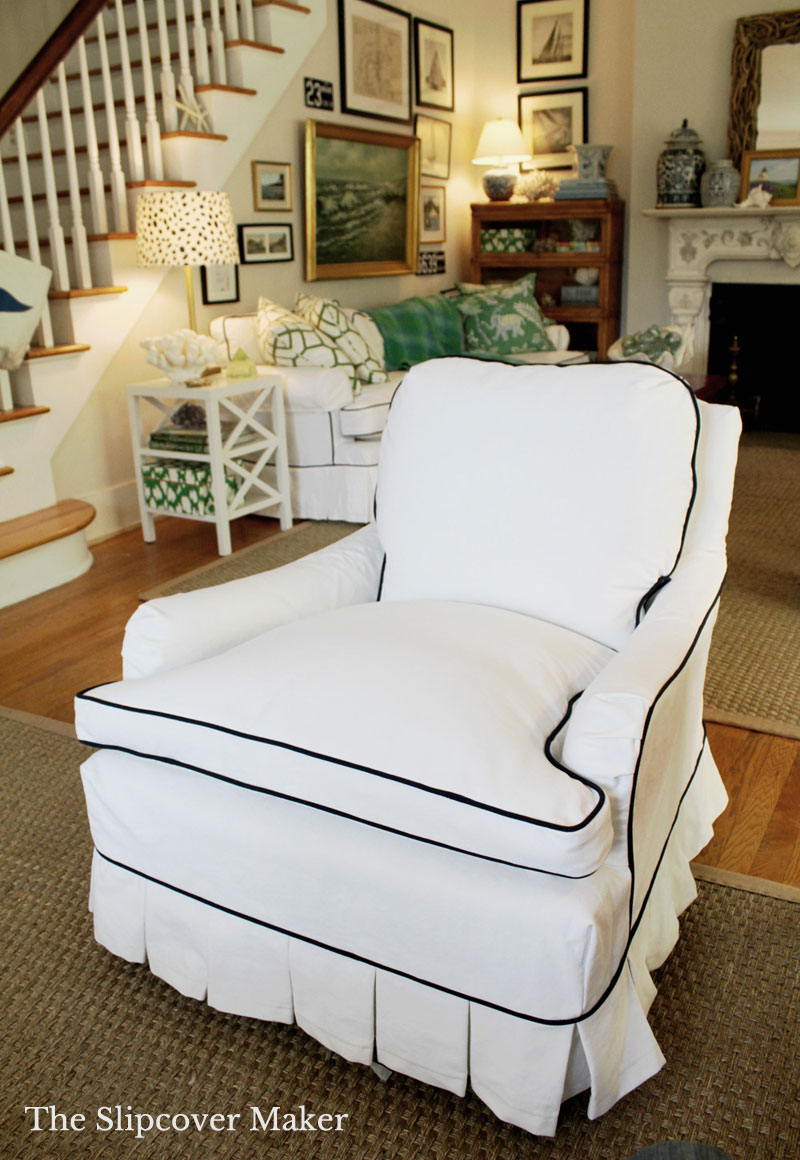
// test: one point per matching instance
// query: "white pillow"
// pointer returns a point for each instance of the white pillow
(289, 341)
(352, 330)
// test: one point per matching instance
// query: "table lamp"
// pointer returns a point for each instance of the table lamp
(185, 227)
(500, 145)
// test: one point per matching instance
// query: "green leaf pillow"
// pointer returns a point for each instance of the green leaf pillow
(504, 321)
(350, 330)
(287, 340)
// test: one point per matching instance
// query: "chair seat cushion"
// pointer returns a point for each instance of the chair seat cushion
(367, 414)
(445, 742)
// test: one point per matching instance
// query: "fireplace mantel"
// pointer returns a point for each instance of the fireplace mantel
(700, 237)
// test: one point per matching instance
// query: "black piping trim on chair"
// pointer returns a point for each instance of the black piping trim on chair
(287, 797)
(415, 978)
(647, 722)
(393, 777)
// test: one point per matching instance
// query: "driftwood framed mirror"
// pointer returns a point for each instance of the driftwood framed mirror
(753, 34)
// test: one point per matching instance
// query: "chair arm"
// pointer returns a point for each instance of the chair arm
(637, 728)
(177, 630)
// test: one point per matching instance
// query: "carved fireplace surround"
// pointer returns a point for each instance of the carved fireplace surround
(701, 238)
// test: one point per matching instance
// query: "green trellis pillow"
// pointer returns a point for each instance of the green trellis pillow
(289, 341)
(347, 328)
(504, 321)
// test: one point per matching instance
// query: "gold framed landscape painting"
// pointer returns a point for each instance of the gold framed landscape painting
(362, 193)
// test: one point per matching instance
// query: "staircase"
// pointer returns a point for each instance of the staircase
(155, 93)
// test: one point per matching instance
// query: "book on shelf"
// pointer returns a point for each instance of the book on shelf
(187, 439)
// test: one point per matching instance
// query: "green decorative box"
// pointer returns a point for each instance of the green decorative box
(504, 240)
(172, 485)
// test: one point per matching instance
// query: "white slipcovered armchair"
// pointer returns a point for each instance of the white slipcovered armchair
(432, 792)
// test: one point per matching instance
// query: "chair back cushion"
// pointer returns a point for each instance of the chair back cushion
(560, 492)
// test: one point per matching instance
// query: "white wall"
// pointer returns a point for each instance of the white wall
(24, 29)
(682, 60)
(94, 461)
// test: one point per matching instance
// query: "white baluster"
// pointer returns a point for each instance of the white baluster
(45, 328)
(169, 111)
(5, 215)
(248, 21)
(231, 20)
(97, 189)
(80, 244)
(201, 71)
(118, 192)
(6, 397)
(218, 46)
(152, 129)
(187, 79)
(58, 249)
(133, 136)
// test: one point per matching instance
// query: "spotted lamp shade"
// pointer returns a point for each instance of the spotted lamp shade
(185, 227)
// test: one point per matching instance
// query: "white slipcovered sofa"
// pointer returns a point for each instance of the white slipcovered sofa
(432, 792)
(333, 436)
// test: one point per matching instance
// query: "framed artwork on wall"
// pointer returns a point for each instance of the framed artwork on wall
(435, 137)
(552, 39)
(219, 284)
(267, 242)
(432, 214)
(433, 55)
(272, 185)
(375, 59)
(361, 202)
(776, 170)
(550, 123)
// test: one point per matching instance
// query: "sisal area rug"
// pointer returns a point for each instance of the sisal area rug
(753, 675)
(87, 1034)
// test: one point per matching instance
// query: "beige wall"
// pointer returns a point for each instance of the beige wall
(485, 61)
(682, 57)
(24, 29)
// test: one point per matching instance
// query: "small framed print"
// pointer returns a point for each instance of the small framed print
(272, 185)
(270, 242)
(432, 214)
(375, 59)
(219, 284)
(550, 123)
(552, 39)
(433, 53)
(435, 136)
(777, 171)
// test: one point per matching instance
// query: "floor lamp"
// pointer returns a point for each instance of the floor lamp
(185, 227)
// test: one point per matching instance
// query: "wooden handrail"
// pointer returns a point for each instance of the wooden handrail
(46, 60)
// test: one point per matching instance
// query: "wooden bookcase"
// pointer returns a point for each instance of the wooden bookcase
(560, 238)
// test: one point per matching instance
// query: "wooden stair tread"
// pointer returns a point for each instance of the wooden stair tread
(111, 237)
(194, 133)
(152, 184)
(54, 351)
(42, 527)
(22, 413)
(6, 470)
(253, 44)
(91, 292)
(226, 89)
(282, 4)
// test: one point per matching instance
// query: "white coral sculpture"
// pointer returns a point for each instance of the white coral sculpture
(183, 355)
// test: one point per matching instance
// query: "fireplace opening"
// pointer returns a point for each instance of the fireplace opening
(763, 320)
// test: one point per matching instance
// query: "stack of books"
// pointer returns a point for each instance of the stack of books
(588, 189)
(191, 440)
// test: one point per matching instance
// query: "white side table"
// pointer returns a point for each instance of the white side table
(236, 400)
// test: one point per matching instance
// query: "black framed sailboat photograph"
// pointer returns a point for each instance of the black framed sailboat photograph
(552, 39)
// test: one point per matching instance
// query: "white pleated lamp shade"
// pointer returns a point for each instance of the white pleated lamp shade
(185, 227)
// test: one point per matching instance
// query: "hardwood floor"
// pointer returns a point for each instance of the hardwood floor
(69, 638)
